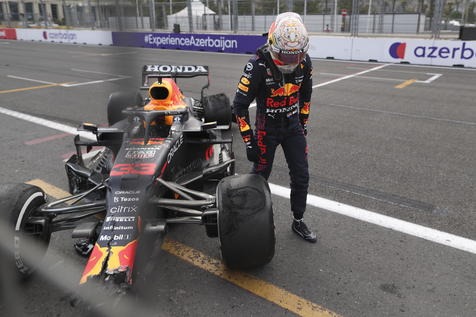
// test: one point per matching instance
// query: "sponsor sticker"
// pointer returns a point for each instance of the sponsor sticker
(120, 219)
(133, 169)
(123, 209)
(140, 154)
(176, 68)
(127, 192)
(286, 90)
(174, 149)
(245, 81)
(243, 87)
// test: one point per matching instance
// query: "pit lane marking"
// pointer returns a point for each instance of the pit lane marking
(117, 77)
(265, 290)
(28, 88)
(431, 79)
(375, 218)
(406, 83)
(95, 72)
(91, 82)
(51, 190)
(68, 84)
(350, 76)
(260, 288)
(342, 78)
(32, 80)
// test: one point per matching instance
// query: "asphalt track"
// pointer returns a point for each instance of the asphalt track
(385, 140)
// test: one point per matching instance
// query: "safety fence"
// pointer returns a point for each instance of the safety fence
(386, 49)
(430, 18)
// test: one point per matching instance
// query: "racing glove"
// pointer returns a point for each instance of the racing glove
(252, 152)
(246, 132)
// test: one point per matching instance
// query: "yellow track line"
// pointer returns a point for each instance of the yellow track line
(30, 88)
(51, 190)
(405, 83)
(265, 290)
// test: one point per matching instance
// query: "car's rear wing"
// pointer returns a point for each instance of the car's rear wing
(154, 72)
(173, 71)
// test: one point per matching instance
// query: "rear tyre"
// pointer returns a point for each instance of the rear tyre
(119, 101)
(217, 108)
(245, 221)
(18, 204)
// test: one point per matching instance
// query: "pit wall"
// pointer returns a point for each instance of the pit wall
(388, 50)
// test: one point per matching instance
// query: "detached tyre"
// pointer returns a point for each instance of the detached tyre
(217, 108)
(119, 101)
(18, 205)
(245, 221)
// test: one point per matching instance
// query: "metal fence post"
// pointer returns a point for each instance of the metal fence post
(190, 17)
(235, 16)
(152, 15)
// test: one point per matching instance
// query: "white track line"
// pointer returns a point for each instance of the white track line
(341, 78)
(406, 227)
(350, 76)
(31, 79)
(409, 228)
(47, 123)
(91, 82)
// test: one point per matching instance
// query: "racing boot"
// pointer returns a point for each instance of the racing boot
(300, 228)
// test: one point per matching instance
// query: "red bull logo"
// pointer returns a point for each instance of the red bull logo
(288, 101)
(305, 108)
(285, 91)
(95, 262)
(243, 125)
(262, 145)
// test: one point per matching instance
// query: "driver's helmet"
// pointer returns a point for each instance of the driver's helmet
(288, 41)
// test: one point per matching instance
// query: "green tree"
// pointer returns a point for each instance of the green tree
(471, 15)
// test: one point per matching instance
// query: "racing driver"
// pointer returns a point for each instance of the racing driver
(279, 77)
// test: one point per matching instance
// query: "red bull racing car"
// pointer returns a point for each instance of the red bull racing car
(166, 159)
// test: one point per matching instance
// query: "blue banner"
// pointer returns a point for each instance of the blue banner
(191, 42)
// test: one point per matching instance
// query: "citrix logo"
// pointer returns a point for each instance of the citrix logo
(397, 50)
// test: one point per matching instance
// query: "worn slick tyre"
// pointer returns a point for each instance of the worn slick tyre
(119, 101)
(217, 108)
(19, 202)
(245, 221)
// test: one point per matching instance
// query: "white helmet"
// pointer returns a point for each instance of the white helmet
(288, 41)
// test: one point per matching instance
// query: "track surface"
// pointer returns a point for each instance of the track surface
(398, 140)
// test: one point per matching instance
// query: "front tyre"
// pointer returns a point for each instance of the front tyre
(245, 221)
(18, 204)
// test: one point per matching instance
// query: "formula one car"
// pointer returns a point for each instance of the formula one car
(166, 159)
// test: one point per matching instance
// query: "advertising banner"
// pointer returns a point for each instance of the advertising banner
(330, 47)
(66, 36)
(191, 42)
(396, 50)
(432, 52)
(8, 34)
